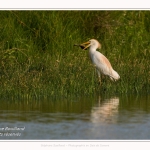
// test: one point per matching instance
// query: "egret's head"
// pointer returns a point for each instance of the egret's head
(94, 43)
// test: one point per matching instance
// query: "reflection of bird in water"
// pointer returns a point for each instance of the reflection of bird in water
(101, 63)
(105, 111)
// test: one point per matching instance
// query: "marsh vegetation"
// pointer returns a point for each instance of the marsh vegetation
(38, 59)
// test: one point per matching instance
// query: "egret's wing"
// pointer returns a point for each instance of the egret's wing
(102, 63)
(104, 66)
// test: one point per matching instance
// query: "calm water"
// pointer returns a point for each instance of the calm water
(116, 117)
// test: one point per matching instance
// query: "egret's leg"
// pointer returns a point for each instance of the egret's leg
(99, 76)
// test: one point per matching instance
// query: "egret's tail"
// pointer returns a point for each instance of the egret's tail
(114, 76)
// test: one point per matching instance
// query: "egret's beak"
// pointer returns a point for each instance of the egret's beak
(87, 44)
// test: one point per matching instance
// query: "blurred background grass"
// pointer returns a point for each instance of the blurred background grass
(38, 59)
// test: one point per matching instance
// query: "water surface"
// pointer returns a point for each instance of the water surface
(98, 117)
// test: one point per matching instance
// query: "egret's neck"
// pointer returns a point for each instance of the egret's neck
(92, 49)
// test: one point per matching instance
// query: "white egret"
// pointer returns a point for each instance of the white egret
(101, 63)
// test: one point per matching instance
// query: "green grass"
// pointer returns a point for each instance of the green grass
(38, 59)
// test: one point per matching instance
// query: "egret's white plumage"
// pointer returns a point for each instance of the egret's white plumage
(101, 63)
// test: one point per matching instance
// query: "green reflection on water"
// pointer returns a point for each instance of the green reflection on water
(77, 105)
